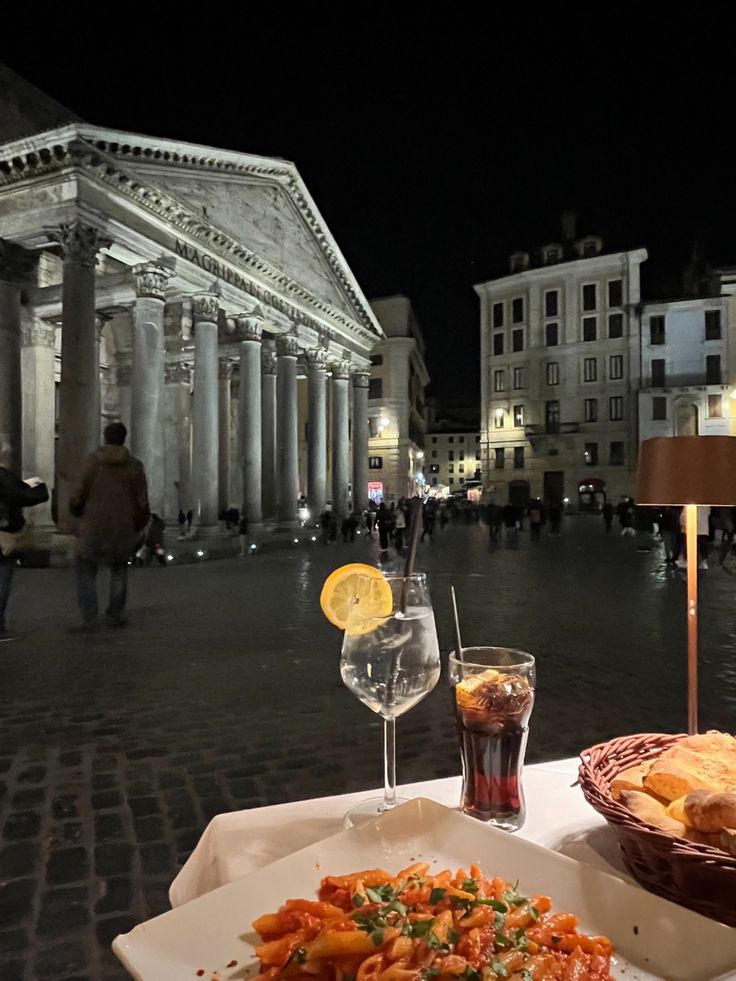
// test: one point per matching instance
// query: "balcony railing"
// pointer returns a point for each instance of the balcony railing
(551, 429)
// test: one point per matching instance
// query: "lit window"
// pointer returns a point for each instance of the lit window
(518, 377)
(498, 420)
(715, 406)
(590, 369)
(616, 408)
(591, 410)
(518, 415)
(553, 373)
(499, 381)
(591, 454)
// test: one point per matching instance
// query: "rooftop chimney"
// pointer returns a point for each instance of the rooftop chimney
(569, 222)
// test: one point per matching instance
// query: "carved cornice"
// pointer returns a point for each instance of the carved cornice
(79, 242)
(151, 280)
(316, 359)
(269, 361)
(82, 147)
(340, 370)
(206, 307)
(249, 328)
(225, 370)
(39, 334)
(124, 374)
(177, 373)
(287, 346)
(360, 379)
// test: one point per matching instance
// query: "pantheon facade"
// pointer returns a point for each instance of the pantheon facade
(197, 295)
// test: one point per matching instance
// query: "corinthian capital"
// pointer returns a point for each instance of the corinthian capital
(340, 370)
(79, 243)
(250, 328)
(360, 379)
(205, 307)
(38, 334)
(287, 346)
(269, 361)
(316, 358)
(151, 280)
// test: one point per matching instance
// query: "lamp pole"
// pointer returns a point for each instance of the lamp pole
(691, 542)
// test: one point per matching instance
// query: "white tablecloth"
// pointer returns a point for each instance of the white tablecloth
(235, 844)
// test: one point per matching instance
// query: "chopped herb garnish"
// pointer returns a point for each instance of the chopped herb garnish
(377, 937)
(452, 936)
(500, 969)
(512, 897)
(502, 940)
(358, 900)
(534, 913)
(299, 956)
(436, 895)
(433, 941)
(520, 939)
(430, 972)
(526, 975)
(396, 907)
(494, 904)
(470, 974)
(422, 927)
(469, 885)
(499, 919)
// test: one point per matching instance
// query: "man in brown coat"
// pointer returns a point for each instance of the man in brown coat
(112, 505)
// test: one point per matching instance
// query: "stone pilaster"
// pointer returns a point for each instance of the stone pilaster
(360, 439)
(147, 392)
(39, 408)
(178, 439)
(340, 437)
(316, 430)
(287, 445)
(269, 364)
(79, 389)
(205, 442)
(250, 435)
(225, 381)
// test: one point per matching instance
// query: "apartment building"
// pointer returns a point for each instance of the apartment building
(560, 373)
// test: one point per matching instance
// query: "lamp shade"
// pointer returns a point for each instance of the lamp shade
(687, 470)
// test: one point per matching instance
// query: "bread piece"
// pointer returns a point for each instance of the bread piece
(702, 762)
(648, 809)
(673, 777)
(631, 779)
(709, 812)
(676, 810)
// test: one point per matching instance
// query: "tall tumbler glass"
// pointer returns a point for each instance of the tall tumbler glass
(493, 693)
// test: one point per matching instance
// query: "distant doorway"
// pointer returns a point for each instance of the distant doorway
(554, 486)
(687, 419)
(519, 493)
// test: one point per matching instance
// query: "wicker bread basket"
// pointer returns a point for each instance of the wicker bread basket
(697, 876)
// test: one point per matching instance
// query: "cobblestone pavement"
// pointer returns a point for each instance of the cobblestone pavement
(224, 692)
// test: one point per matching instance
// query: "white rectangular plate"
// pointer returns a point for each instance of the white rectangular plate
(654, 939)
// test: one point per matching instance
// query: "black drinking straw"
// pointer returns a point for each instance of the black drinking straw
(458, 641)
(416, 524)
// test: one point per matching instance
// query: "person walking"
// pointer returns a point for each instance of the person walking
(243, 535)
(383, 523)
(535, 520)
(155, 541)
(15, 494)
(608, 516)
(555, 519)
(399, 527)
(111, 502)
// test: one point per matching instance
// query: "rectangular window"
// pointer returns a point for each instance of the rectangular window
(518, 458)
(450, 439)
(552, 416)
(376, 359)
(656, 330)
(713, 369)
(615, 325)
(658, 373)
(461, 469)
(553, 373)
(617, 454)
(715, 406)
(498, 420)
(498, 314)
(616, 408)
(434, 439)
(451, 468)
(498, 343)
(452, 480)
(659, 407)
(712, 325)
(591, 454)
(552, 335)
(461, 455)
(434, 454)
(461, 439)
(590, 328)
(518, 415)
(375, 463)
(518, 377)
(477, 454)
(477, 439)
(551, 303)
(450, 454)
(517, 340)
(499, 381)
(590, 296)
(591, 410)
(375, 388)
(517, 310)
(616, 367)
(590, 369)
(500, 457)
(615, 293)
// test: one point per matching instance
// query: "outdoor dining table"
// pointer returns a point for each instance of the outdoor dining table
(234, 844)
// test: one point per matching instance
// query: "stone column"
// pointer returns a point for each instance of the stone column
(178, 440)
(39, 409)
(269, 363)
(287, 434)
(316, 430)
(250, 435)
(79, 389)
(205, 455)
(11, 421)
(147, 390)
(340, 437)
(223, 469)
(360, 439)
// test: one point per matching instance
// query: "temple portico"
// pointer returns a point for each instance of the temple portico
(194, 309)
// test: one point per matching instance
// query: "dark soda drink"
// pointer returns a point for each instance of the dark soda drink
(492, 711)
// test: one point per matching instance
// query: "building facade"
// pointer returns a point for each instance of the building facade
(560, 370)
(686, 348)
(194, 293)
(453, 449)
(398, 377)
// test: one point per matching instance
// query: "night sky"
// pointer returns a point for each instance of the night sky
(434, 149)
